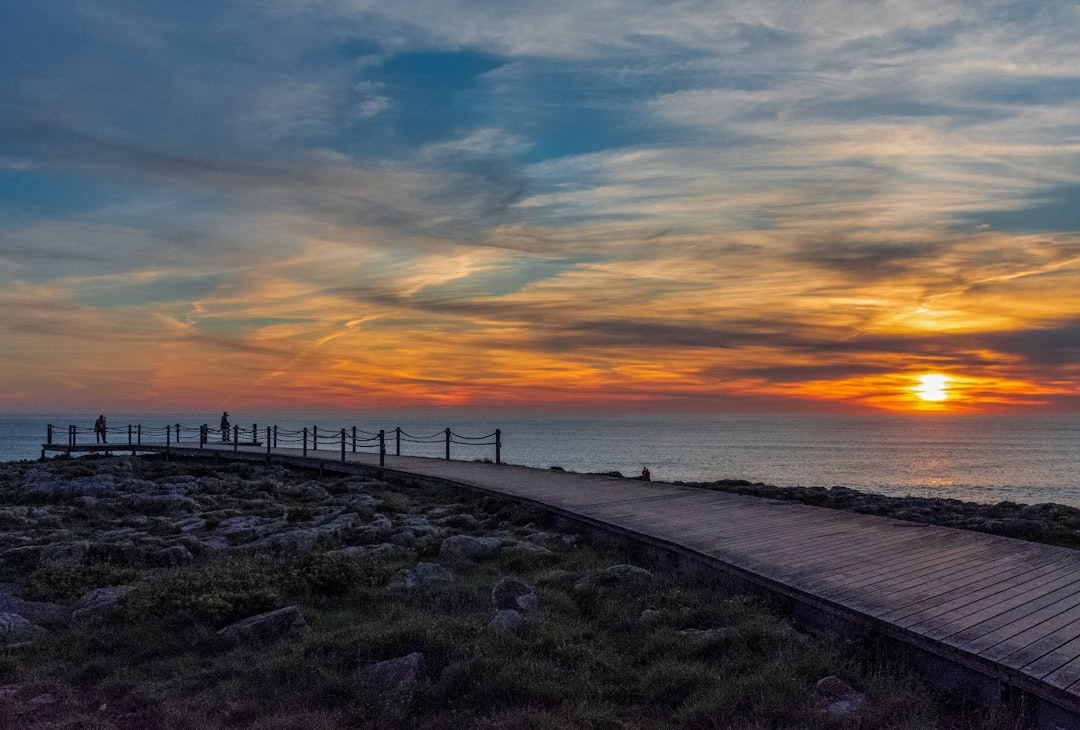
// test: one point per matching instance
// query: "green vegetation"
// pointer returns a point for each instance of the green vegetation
(594, 654)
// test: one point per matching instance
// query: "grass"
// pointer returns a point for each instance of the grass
(585, 660)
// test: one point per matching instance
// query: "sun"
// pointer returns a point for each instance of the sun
(932, 387)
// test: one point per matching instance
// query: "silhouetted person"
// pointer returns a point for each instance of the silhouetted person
(100, 432)
(225, 426)
(645, 475)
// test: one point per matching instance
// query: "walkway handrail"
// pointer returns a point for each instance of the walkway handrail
(273, 436)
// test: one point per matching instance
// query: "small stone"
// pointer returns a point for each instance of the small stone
(507, 621)
(423, 575)
(837, 698)
(514, 594)
(14, 627)
(394, 676)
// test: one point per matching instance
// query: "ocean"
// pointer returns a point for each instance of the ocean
(985, 459)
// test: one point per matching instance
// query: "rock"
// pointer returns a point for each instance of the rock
(41, 613)
(836, 698)
(291, 542)
(265, 627)
(419, 525)
(423, 575)
(160, 504)
(514, 594)
(651, 616)
(394, 676)
(615, 575)
(98, 601)
(551, 538)
(460, 521)
(507, 621)
(466, 547)
(702, 637)
(25, 557)
(41, 701)
(243, 528)
(15, 628)
(193, 523)
(172, 556)
(67, 553)
(307, 490)
(376, 532)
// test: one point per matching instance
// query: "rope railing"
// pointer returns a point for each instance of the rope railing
(315, 438)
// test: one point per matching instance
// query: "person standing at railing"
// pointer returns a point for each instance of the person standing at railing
(100, 430)
(225, 426)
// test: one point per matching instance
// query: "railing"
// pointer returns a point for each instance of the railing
(347, 440)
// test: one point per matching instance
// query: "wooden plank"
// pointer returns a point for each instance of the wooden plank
(982, 605)
(989, 580)
(1041, 625)
(1012, 610)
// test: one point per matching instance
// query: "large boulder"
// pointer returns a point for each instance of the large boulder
(264, 627)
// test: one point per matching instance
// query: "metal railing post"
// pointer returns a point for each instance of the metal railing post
(314, 438)
(382, 447)
(354, 439)
(448, 444)
(236, 438)
(48, 436)
(202, 436)
(268, 446)
(139, 427)
(343, 444)
(168, 442)
(397, 441)
(305, 440)
(498, 446)
(275, 435)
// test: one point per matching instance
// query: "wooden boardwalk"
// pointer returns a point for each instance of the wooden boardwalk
(997, 610)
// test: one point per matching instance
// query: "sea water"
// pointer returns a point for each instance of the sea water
(975, 458)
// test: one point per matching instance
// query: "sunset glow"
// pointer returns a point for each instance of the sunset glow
(933, 387)
(734, 207)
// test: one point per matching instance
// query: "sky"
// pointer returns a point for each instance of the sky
(617, 205)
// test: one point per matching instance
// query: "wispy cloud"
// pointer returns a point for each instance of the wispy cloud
(687, 204)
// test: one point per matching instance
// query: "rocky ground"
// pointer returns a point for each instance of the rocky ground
(139, 593)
